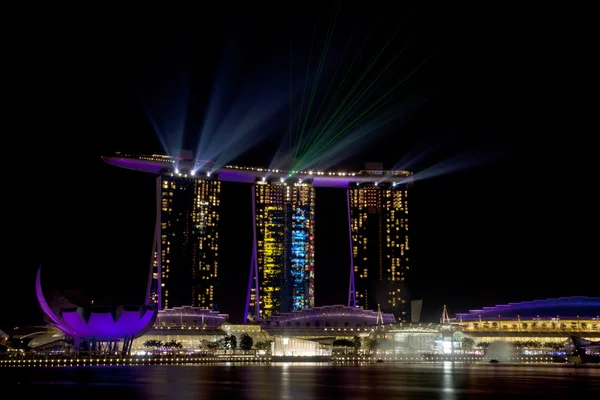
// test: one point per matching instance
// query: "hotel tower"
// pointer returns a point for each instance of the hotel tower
(186, 241)
(380, 246)
(282, 269)
(185, 267)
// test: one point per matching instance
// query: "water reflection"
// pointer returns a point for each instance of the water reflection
(305, 381)
(285, 382)
(448, 392)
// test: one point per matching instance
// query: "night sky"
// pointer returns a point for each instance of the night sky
(518, 225)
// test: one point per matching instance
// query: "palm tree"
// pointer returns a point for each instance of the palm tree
(246, 342)
(173, 344)
(370, 344)
(468, 343)
(357, 342)
(153, 344)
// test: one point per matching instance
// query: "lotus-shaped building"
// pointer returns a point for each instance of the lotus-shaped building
(102, 327)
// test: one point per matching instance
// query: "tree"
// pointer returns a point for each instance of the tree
(357, 342)
(343, 343)
(224, 343)
(173, 344)
(556, 346)
(246, 341)
(370, 344)
(153, 343)
(213, 345)
(228, 342)
(264, 345)
(468, 343)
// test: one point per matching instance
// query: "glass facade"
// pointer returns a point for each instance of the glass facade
(185, 257)
(270, 203)
(302, 238)
(380, 246)
(284, 218)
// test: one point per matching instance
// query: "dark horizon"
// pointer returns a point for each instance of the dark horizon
(509, 227)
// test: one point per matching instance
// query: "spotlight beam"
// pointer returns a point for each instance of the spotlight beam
(476, 157)
(419, 152)
(250, 131)
(168, 118)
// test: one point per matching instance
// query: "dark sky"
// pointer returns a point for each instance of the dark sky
(518, 227)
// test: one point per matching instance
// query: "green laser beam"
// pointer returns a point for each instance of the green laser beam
(330, 31)
(354, 87)
(368, 110)
(291, 96)
(307, 73)
(331, 82)
(310, 159)
(341, 85)
(364, 95)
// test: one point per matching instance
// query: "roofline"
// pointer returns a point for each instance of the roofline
(160, 164)
(523, 307)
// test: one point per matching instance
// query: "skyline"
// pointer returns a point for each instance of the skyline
(93, 219)
(186, 245)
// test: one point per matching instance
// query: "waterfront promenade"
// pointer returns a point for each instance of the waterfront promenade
(104, 360)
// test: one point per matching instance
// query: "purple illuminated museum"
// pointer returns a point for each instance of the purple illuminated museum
(100, 328)
(185, 268)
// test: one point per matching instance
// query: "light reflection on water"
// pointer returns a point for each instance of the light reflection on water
(306, 381)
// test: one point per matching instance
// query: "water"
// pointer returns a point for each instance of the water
(305, 381)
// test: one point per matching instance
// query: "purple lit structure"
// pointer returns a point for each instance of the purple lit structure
(563, 307)
(104, 328)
